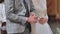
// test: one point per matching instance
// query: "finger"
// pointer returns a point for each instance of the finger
(36, 18)
(32, 14)
(41, 18)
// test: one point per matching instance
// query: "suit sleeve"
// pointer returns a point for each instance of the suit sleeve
(12, 16)
(32, 9)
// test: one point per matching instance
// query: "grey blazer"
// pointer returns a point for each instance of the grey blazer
(16, 20)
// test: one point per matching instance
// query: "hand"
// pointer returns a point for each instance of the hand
(32, 18)
(43, 20)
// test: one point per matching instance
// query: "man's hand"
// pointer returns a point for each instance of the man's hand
(43, 20)
(32, 18)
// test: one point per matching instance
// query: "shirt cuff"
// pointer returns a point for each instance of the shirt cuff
(26, 18)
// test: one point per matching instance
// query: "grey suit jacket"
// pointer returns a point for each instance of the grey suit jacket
(16, 20)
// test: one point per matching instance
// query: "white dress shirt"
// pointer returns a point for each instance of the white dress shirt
(2, 13)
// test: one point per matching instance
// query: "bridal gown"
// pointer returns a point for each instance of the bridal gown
(38, 28)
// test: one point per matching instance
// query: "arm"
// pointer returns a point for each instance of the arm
(44, 20)
(46, 17)
(11, 16)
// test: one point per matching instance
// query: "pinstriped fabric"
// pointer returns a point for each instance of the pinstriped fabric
(15, 20)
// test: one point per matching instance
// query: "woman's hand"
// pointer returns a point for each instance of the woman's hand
(43, 20)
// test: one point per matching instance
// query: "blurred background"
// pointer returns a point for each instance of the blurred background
(53, 10)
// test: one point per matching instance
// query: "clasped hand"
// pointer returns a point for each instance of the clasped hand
(33, 19)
